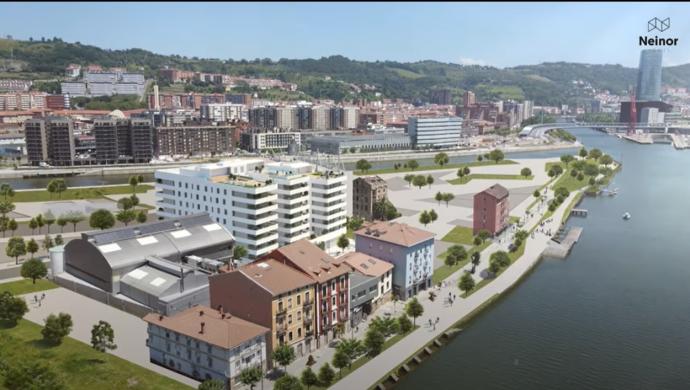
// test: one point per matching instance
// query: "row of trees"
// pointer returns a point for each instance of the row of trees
(419, 180)
(444, 197)
(16, 247)
(427, 217)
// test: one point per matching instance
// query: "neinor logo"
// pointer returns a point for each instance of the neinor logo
(660, 25)
(656, 41)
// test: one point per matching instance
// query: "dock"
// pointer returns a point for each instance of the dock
(561, 245)
(645, 139)
(679, 141)
(579, 212)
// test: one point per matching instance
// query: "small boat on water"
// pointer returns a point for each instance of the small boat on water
(627, 216)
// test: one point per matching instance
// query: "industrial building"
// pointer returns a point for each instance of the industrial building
(163, 265)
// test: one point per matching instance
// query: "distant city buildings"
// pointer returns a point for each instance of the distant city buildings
(441, 96)
(443, 132)
(275, 140)
(99, 83)
(194, 140)
(15, 85)
(490, 210)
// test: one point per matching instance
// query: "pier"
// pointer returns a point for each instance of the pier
(579, 212)
(561, 245)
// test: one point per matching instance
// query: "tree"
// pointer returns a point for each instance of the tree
(34, 269)
(32, 375)
(591, 169)
(606, 160)
(475, 258)
(284, 355)
(466, 282)
(583, 152)
(133, 182)
(12, 308)
(12, 226)
(413, 164)
(287, 382)
(32, 247)
(432, 215)
(414, 309)
(102, 337)
(239, 252)
(211, 384)
(125, 203)
(373, 341)
(48, 242)
(595, 154)
(340, 361)
(526, 172)
(102, 219)
(447, 197)
(429, 180)
(6, 207)
(343, 242)
(15, 247)
(477, 240)
(51, 187)
(308, 377)
(501, 258)
(439, 197)
(60, 187)
(134, 199)
(57, 327)
(409, 178)
(33, 224)
(484, 235)
(59, 240)
(326, 375)
(363, 165)
(355, 222)
(404, 324)
(480, 158)
(441, 159)
(75, 217)
(49, 219)
(494, 267)
(251, 376)
(386, 325)
(126, 216)
(536, 194)
(521, 235)
(419, 181)
(567, 159)
(460, 173)
(352, 348)
(496, 155)
(141, 216)
(455, 254)
(424, 218)
(6, 191)
(40, 222)
(580, 176)
(62, 222)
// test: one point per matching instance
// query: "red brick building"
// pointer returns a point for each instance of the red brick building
(491, 210)
(332, 283)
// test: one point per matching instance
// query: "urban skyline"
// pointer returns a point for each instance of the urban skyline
(560, 32)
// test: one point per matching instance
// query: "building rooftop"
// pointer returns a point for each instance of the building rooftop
(497, 191)
(395, 233)
(219, 329)
(372, 180)
(274, 276)
(311, 260)
(367, 265)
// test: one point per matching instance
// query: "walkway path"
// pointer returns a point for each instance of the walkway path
(373, 370)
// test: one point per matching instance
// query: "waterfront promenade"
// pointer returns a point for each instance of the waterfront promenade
(367, 375)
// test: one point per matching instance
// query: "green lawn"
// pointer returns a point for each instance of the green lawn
(459, 235)
(78, 365)
(570, 183)
(77, 193)
(488, 176)
(25, 286)
(443, 272)
(433, 167)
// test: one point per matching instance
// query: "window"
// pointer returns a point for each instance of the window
(290, 336)
(289, 318)
(299, 299)
(299, 332)
(210, 362)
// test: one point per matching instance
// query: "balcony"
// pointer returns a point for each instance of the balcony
(281, 327)
(281, 312)
(309, 333)
(308, 304)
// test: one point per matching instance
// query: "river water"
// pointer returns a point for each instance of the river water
(614, 315)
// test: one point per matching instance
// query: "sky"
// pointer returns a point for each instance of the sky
(496, 34)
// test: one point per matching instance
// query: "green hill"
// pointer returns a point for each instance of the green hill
(329, 77)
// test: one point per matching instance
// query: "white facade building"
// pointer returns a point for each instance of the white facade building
(224, 112)
(441, 132)
(262, 203)
(204, 344)
(351, 117)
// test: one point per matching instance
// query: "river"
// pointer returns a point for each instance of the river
(614, 315)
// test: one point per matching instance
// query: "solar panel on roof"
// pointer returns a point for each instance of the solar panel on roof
(109, 248)
(138, 274)
(181, 233)
(212, 227)
(157, 282)
(147, 240)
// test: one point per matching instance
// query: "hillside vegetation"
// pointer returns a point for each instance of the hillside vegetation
(331, 77)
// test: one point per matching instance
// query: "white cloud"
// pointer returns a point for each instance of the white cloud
(471, 61)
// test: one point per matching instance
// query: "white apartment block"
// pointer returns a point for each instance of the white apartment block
(224, 112)
(286, 117)
(320, 117)
(269, 140)
(264, 204)
(351, 120)
(443, 132)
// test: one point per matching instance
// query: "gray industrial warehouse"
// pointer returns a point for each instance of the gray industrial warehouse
(162, 265)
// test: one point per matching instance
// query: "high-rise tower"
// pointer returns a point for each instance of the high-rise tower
(649, 75)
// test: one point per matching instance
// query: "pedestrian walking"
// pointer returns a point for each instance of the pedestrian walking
(35, 298)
